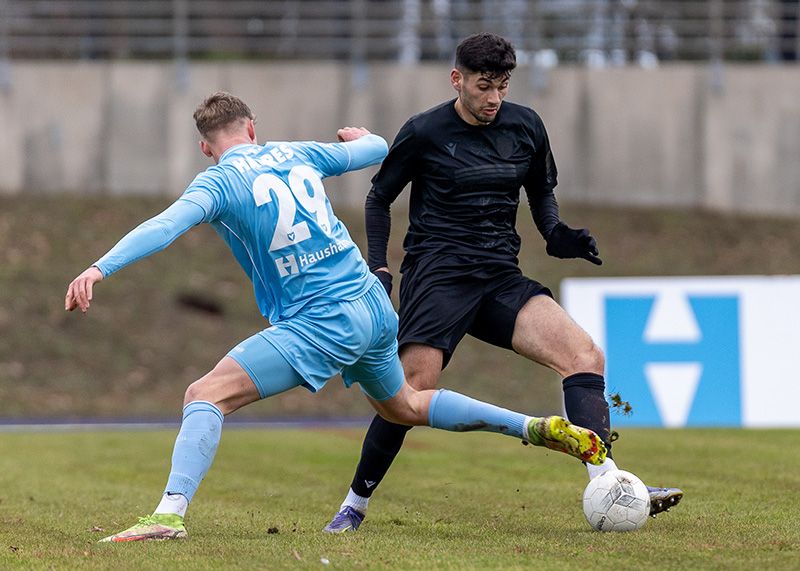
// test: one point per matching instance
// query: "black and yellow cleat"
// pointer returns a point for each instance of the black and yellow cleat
(557, 433)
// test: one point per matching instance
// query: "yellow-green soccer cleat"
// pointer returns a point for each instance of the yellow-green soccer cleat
(557, 433)
(152, 527)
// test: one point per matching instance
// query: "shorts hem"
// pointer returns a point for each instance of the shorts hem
(421, 341)
(447, 352)
(250, 373)
(382, 399)
(379, 383)
(312, 387)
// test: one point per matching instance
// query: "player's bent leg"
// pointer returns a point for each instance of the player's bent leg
(586, 405)
(448, 410)
(233, 383)
(192, 456)
(545, 333)
(381, 445)
(422, 365)
(258, 371)
(408, 406)
(228, 386)
(222, 391)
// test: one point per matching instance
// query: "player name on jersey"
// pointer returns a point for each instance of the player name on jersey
(275, 157)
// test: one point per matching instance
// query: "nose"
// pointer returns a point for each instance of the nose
(494, 97)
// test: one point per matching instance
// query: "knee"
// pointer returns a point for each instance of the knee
(422, 366)
(589, 360)
(409, 409)
(394, 417)
(421, 380)
(405, 416)
(196, 392)
(416, 411)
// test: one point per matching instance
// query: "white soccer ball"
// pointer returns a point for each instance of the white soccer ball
(616, 501)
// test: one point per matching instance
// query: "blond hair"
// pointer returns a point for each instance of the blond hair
(220, 111)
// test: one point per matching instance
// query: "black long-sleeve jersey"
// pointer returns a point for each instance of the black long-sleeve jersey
(465, 184)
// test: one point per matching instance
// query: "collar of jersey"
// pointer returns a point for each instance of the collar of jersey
(224, 155)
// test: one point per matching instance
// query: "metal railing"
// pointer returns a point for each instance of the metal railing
(595, 32)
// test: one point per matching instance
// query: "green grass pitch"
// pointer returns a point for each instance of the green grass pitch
(465, 501)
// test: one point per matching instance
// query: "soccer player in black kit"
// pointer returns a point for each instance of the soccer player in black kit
(466, 160)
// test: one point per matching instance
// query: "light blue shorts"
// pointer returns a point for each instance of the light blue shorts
(355, 338)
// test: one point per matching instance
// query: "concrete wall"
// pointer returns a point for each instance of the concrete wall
(625, 136)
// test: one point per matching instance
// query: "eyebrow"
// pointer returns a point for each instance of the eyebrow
(492, 81)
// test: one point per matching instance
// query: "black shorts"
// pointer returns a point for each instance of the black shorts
(444, 297)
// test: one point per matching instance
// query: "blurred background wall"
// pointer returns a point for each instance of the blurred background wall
(625, 136)
(677, 103)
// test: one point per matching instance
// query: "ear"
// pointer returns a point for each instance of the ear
(251, 130)
(456, 78)
(205, 148)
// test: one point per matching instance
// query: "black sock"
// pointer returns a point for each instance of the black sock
(586, 405)
(381, 445)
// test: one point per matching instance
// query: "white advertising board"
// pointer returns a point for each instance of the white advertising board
(712, 351)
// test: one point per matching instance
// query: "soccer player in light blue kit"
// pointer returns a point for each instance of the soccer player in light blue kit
(328, 313)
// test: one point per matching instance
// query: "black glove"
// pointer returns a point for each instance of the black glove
(566, 242)
(386, 280)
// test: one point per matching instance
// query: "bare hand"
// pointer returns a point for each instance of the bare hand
(79, 292)
(351, 133)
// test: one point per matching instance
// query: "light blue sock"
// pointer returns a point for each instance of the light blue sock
(194, 448)
(458, 413)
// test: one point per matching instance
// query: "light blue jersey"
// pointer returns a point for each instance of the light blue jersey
(328, 313)
(268, 203)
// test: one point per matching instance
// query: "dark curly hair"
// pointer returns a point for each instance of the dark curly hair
(486, 53)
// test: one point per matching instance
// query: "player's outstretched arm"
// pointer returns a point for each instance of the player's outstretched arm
(357, 148)
(79, 292)
(149, 237)
(364, 149)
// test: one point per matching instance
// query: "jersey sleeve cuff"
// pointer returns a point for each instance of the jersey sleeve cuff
(99, 266)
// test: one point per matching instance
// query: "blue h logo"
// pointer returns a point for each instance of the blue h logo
(691, 377)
